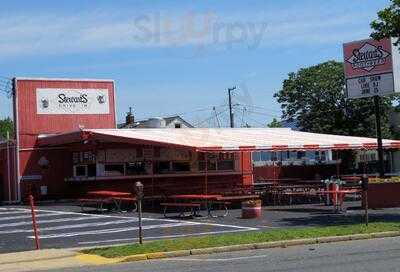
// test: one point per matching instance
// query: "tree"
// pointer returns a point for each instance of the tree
(315, 97)
(274, 124)
(6, 125)
(388, 24)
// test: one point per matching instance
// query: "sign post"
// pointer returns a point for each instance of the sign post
(381, 166)
(139, 197)
(371, 71)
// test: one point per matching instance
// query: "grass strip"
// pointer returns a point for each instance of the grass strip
(240, 238)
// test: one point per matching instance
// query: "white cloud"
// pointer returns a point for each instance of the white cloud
(88, 32)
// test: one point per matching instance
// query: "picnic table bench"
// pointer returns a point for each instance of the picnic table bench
(100, 198)
(212, 202)
(181, 207)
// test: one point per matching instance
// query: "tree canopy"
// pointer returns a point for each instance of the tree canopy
(315, 97)
(274, 124)
(6, 125)
(388, 23)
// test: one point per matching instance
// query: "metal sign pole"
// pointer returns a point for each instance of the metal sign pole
(364, 186)
(381, 166)
(139, 197)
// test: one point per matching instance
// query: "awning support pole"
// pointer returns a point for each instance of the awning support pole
(206, 176)
(381, 166)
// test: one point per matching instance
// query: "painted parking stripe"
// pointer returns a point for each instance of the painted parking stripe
(27, 216)
(122, 240)
(155, 219)
(84, 225)
(12, 212)
(115, 230)
(59, 220)
(150, 219)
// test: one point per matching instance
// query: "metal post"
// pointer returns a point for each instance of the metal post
(230, 106)
(34, 223)
(8, 167)
(139, 196)
(366, 208)
(381, 166)
(364, 186)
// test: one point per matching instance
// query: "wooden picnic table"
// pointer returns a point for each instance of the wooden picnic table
(212, 200)
(195, 197)
(104, 196)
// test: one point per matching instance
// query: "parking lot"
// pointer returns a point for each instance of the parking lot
(66, 226)
(62, 228)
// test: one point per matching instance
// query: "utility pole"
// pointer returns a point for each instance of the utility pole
(381, 166)
(230, 106)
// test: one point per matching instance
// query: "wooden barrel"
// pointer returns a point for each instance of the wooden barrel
(251, 209)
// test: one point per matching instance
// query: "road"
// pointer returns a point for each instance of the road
(366, 255)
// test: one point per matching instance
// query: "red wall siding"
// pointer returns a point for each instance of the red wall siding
(247, 168)
(4, 170)
(300, 172)
(383, 195)
(31, 124)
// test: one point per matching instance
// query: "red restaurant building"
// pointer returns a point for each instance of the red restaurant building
(67, 143)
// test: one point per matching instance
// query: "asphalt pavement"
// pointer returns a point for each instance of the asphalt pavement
(66, 226)
(364, 255)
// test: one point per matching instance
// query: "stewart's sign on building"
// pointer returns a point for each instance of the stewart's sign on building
(371, 68)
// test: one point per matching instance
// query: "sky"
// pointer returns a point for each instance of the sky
(179, 57)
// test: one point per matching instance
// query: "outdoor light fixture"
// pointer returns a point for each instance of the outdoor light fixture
(43, 163)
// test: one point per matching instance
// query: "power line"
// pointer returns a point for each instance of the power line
(210, 118)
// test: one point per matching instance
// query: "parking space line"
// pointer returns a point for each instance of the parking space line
(158, 237)
(27, 216)
(85, 225)
(12, 212)
(59, 220)
(115, 230)
(151, 219)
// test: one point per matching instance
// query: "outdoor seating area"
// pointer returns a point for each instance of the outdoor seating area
(113, 200)
(218, 203)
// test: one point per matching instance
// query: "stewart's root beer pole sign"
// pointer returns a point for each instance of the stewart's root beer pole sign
(371, 68)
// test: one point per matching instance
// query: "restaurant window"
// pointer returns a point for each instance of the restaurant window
(163, 167)
(180, 166)
(135, 168)
(301, 155)
(256, 156)
(265, 156)
(320, 155)
(226, 165)
(80, 171)
(114, 169)
(212, 165)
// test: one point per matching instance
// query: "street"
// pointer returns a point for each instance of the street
(366, 255)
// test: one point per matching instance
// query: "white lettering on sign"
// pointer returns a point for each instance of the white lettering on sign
(370, 85)
(72, 101)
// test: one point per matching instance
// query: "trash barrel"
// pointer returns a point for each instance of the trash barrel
(251, 209)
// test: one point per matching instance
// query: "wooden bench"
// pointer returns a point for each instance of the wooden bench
(181, 207)
(119, 200)
(99, 202)
(238, 198)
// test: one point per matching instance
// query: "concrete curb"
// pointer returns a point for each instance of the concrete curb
(265, 245)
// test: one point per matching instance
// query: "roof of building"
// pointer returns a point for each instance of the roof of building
(144, 123)
(218, 139)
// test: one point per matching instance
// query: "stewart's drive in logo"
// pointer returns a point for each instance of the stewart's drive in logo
(368, 56)
(72, 101)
